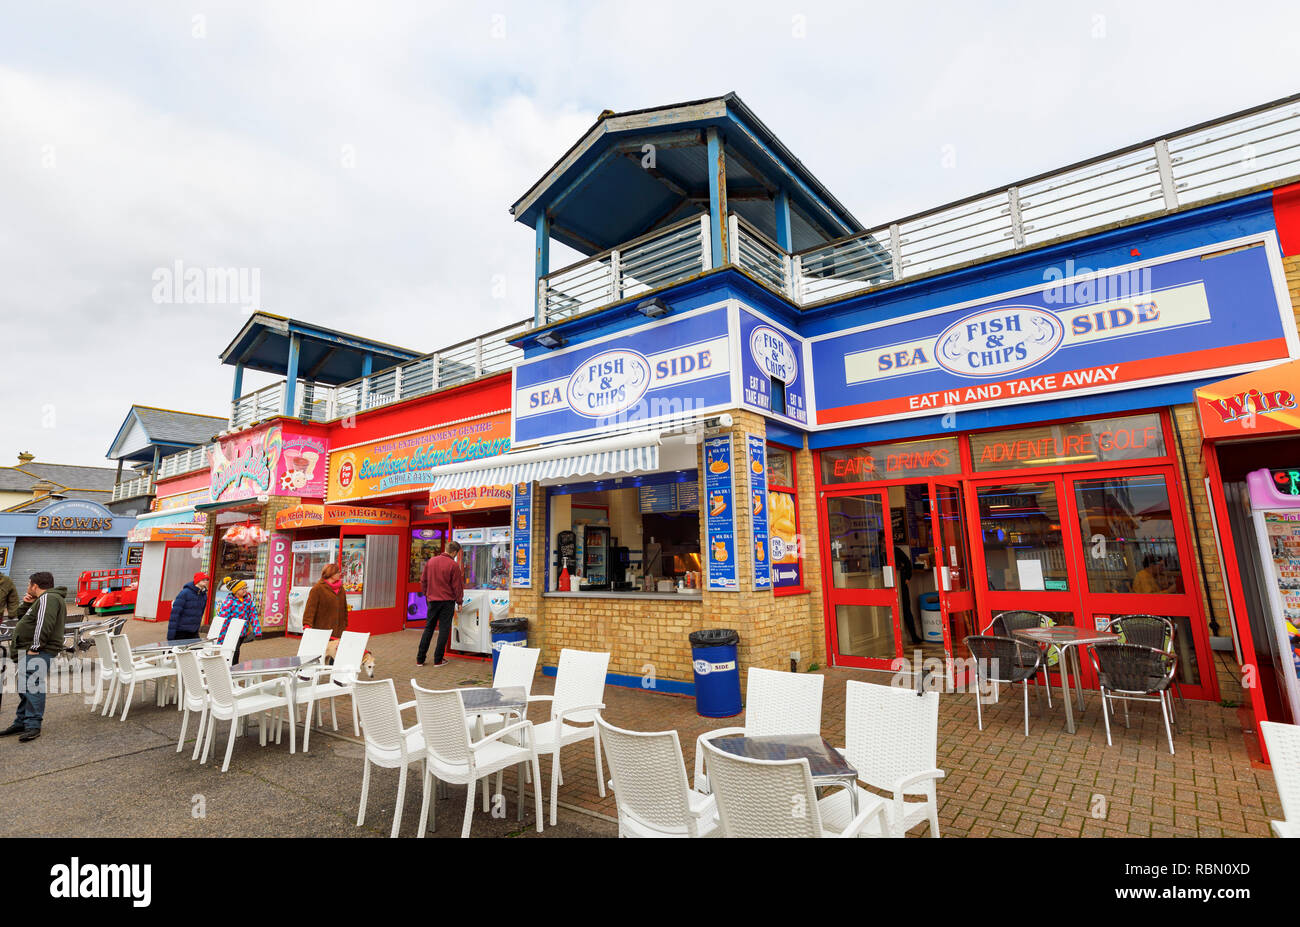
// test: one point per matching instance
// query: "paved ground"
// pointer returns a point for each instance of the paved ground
(97, 776)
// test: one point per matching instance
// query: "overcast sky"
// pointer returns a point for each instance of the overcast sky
(361, 157)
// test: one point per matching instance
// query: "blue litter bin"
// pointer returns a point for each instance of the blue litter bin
(931, 618)
(507, 632)
(717, 672)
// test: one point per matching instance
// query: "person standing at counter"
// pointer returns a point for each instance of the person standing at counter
(327, 607)
(443, 583)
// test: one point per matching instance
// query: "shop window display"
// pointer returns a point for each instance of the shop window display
(1127, 530)
(1024, 548)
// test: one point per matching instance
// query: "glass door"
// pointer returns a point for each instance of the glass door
(862, 598)
(952, 567)
(1137, 560)
(1022, 550)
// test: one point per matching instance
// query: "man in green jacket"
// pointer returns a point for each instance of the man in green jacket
(38, 636)
(8, 597)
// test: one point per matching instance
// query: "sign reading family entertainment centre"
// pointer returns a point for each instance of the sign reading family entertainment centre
(1147, 323)
(666, 369)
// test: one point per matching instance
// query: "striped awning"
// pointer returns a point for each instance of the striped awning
(637, 453)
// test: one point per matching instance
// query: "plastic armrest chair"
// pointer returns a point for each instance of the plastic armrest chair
(701, 783)
(858, 824)
(577, 708)
(508, 729)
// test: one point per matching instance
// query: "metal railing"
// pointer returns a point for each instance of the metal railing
(650, 262)
(1248, 150)
(196, 458)
(140, 486)
(317, 402)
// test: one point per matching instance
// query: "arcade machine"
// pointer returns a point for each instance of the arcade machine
(309, 558)
(485, 558)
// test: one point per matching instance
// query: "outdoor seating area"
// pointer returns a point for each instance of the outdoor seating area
(1133, 660)
(919, 764)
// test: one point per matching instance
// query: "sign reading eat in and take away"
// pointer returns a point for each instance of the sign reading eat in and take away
(1223, 307)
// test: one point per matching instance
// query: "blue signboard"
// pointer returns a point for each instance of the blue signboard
(772, 380)
(688, 496)
(666, 369)
(1185, 316)
(758, 506)
(720, 520)
(661, 498)
(522, 561)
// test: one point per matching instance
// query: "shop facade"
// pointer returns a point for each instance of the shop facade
(66, 538)
(874, 478)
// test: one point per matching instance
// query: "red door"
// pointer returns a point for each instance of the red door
(862, 598)
(952, 566)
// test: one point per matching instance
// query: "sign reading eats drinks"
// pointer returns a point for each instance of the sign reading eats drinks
(1160, 321)
(659, 370)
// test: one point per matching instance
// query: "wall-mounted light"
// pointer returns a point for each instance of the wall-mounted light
(549, 340)
(653, 308)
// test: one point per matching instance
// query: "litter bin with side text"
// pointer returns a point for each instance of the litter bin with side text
(931, 618)
(717, 672)
(507, 632)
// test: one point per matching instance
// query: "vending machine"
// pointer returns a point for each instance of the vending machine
(1276, 514)
(309, 558)
(485, 559)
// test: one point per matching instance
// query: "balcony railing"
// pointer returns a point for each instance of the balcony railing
(140, 486)
(1255, 149)
(196, 458)
(316, 402)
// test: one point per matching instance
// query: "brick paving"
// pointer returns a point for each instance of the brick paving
(999, 783)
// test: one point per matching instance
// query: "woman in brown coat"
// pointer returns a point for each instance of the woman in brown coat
(327, 607)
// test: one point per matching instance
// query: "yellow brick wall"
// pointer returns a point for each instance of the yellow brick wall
(651, 635)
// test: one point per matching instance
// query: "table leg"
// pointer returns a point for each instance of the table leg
(1078, 677)
(853, 797)
(1063, 666)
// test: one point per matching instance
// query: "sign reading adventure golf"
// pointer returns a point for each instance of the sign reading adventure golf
(665, 369)
(1160, 321)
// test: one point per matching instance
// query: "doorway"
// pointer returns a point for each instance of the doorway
(899, 582)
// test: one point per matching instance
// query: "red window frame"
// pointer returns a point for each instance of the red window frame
(792, 490)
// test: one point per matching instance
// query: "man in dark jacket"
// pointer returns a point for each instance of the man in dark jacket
(188, 608)
(38, 637)
(8, 597)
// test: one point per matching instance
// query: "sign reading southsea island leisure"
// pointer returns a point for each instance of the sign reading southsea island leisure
(407, 463)
(1145, 323)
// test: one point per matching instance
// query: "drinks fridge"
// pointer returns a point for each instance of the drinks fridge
(485, 558)
(595, 555)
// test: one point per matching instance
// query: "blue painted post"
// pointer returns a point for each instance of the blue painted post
(717, 198)
(542, 263)
(367, 365)
(239, 383)
(291, 375)
(783, 236)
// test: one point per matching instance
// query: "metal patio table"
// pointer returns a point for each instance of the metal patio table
(479, 701)
(1068, 640)
(187, 643)
(275, 666)
(825, 763)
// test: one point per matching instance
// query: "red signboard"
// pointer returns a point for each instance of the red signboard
(1257, 403)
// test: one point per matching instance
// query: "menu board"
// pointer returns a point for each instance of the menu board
(720, 523)
(758, 506)
(661, 498)
(521, 569)
(670, 497)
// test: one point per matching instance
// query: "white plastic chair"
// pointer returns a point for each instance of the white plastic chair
(388, 744)
(891, 737)
(214, 630)
(228, 643)
(776, 798)
(579, 697)
(107, 676)
(194, 698)
(648, 776)
(313, 643)
(515, 667)
(131, 670)
(1283, 743)
(452, 757)
(228, 702)
(329, 682)
(775, 703)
